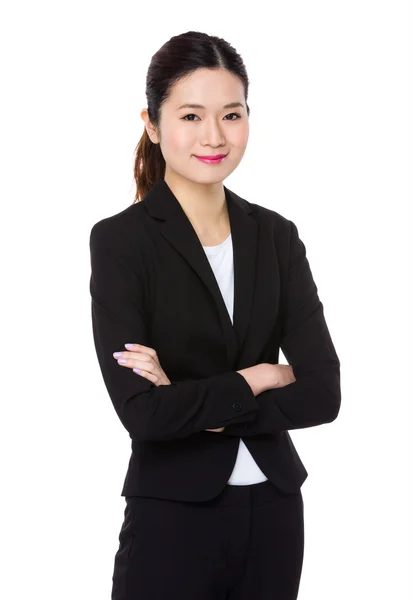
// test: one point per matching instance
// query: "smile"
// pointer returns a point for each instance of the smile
(210, 159)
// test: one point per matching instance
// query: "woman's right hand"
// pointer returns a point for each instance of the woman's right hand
(267, 376)
(283, 375)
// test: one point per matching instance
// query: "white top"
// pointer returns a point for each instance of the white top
(245, 471)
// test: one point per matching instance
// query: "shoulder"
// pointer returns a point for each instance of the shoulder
(284, 229)
(279, 221)
(122, 230)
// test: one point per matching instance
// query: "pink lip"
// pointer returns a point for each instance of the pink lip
(211, 159)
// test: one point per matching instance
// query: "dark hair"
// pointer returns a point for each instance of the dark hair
(178, 57)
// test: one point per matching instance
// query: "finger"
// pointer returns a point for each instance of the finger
(132, 363)
(141, 348)
(141, 367)
(146, 374)
(132, 355)
(144, 351)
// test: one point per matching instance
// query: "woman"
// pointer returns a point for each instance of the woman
(194, 291)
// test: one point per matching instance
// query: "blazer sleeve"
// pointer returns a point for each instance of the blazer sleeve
(315, 397)
(147, 411)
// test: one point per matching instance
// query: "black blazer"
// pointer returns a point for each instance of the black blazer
(151, 283)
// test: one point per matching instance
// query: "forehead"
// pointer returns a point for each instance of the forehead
(209, 87)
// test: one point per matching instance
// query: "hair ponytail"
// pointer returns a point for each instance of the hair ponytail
(149, 165)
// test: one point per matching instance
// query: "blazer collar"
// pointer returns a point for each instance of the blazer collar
(175, 226)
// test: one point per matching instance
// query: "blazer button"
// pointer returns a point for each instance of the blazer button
(236, 406)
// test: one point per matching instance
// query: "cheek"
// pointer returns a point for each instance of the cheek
(240, 136)
(177, 140)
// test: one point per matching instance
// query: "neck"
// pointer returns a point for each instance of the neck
(204, 204)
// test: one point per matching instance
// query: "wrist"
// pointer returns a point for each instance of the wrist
(257, 378)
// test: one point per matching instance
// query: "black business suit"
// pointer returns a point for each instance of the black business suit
(151, 283)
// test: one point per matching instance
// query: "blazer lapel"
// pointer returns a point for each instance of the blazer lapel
(175, 226)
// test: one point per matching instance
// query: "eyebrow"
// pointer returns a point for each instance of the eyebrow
(230, 105)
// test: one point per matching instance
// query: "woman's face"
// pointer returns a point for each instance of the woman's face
(208, 131)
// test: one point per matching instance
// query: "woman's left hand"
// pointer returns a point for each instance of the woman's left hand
(145, 360)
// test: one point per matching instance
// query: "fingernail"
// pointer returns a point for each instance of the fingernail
(137, 371)
(117, 354)
(129, 346)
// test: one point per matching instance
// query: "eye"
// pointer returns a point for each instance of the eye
(190, 115)
(236, 114)
(193, 115)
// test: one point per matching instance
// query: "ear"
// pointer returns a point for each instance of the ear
(150, 129)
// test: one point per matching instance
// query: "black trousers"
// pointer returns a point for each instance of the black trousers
(245, 544)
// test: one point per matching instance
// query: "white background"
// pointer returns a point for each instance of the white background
(329, 126)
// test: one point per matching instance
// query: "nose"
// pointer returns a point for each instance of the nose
(212, 134)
